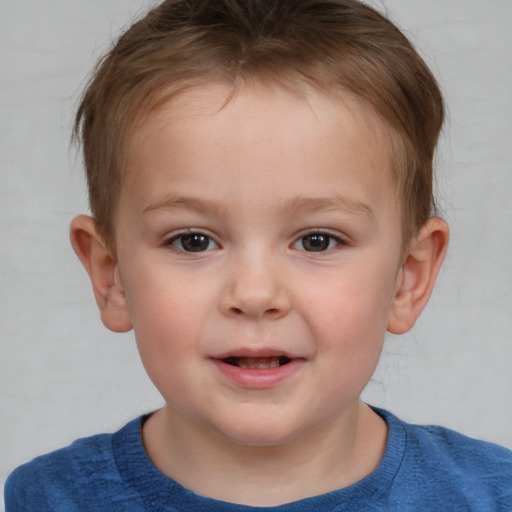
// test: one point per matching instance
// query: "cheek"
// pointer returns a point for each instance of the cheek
(167, 316)
(168, 341)
(348, 314)
(161, 300)
(349, 332)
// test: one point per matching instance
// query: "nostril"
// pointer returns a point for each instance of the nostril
(267, 312)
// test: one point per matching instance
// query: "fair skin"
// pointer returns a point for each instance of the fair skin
(258, 258)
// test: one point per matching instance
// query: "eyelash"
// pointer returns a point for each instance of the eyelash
(181, 238)
(321, 237)
(315, 239)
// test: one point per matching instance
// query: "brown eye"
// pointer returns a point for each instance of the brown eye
(194, 242)
(317, 242)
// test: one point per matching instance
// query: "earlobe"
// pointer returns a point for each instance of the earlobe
(418, 274)
(103, 272)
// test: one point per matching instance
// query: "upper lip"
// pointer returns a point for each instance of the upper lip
(252, 352)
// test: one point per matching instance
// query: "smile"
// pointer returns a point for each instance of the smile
(258, 370)
(257, 363)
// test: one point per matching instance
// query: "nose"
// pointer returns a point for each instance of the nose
(255, 289)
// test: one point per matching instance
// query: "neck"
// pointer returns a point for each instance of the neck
(334, 456)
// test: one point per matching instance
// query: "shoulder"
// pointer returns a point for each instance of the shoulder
(457, 452)
(457, 468)
(72, 478)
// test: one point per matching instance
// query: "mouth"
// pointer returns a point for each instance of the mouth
(258, 369)
(257, 363)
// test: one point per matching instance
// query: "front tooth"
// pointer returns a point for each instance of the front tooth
(258, 363)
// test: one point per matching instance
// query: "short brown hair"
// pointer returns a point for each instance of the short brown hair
(332, 45)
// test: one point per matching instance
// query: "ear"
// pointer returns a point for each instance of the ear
(418, 274)
(103, 272)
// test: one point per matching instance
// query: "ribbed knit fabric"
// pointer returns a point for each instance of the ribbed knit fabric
(424, 468)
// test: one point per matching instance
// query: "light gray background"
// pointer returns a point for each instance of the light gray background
(63, 375)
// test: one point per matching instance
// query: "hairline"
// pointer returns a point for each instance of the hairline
(164, 96)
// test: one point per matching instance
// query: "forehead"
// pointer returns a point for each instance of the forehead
(192, 112)
(213, 135)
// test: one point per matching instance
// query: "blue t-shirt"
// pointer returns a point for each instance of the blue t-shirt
(424, 468)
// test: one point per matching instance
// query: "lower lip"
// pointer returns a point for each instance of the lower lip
(259, 378)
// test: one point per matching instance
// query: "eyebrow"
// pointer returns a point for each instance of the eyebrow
(290, 207)
(202, 205)
(314, 204)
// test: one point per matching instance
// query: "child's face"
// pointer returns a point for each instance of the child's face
(259, 249)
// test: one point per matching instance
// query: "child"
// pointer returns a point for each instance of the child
(260, 178)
